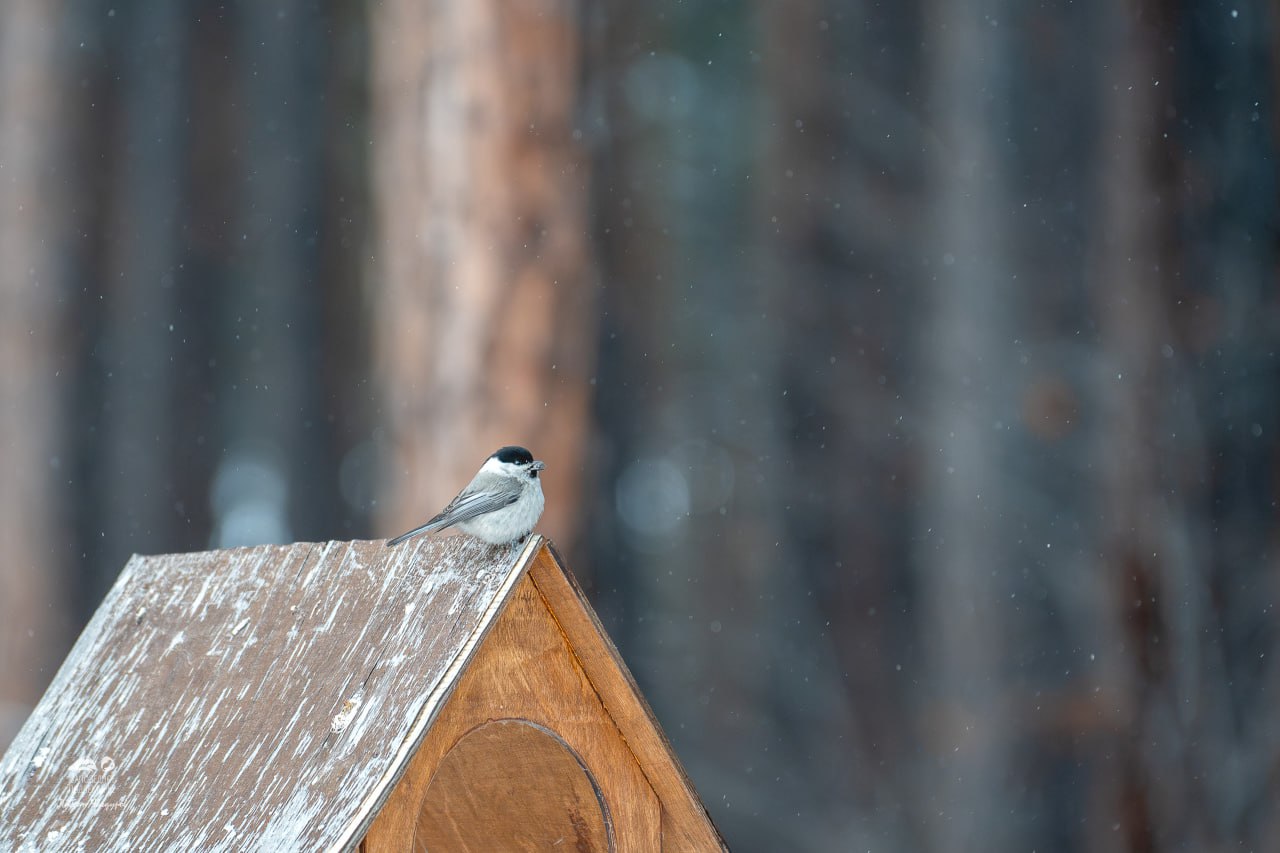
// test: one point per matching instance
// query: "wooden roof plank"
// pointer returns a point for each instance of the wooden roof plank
(153, 733)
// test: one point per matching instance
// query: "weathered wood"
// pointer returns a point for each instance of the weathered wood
(444, 695)
(260, 698)
(525, 670)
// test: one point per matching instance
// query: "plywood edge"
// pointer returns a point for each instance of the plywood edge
(683, 811)
(354, 831)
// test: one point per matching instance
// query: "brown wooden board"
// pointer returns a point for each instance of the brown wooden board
(258, 698)
(686, 826)
(524, 672)
(548, 661)
(513, 785)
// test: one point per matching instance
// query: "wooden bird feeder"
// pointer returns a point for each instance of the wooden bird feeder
(441, 696)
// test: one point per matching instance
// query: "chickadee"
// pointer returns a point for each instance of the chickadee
(500, 505)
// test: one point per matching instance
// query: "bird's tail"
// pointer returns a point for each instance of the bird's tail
(433, 524)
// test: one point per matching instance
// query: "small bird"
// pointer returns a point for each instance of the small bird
(500, 505)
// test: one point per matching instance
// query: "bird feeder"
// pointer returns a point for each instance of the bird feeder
(441, 696)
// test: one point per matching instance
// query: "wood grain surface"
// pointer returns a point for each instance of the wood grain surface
(258, 698)
(513, 785)
(525, 671)
(548, 661)
(686, 826)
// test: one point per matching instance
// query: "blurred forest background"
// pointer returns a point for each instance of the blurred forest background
(907, 372)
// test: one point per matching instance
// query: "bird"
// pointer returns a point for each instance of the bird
(499, 506)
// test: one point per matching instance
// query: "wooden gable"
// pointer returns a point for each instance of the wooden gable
(319, 696)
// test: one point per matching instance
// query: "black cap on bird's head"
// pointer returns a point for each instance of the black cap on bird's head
(513, 455)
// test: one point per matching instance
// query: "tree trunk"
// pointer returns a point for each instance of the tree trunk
(272, 482)
(141, 329)
(32, 612)
(484, 308)
(824, 189)
(1182, 297)
(963, 531)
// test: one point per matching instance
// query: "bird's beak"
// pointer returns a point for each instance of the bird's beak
(537, 465)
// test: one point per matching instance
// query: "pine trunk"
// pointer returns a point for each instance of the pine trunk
(483, 318)
(31, 617)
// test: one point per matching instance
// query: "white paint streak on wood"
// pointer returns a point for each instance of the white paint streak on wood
(343, 718)
(204, 590)
(175, 641)
(259, 698)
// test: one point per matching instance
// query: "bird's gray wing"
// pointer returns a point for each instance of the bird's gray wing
(466, 506)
